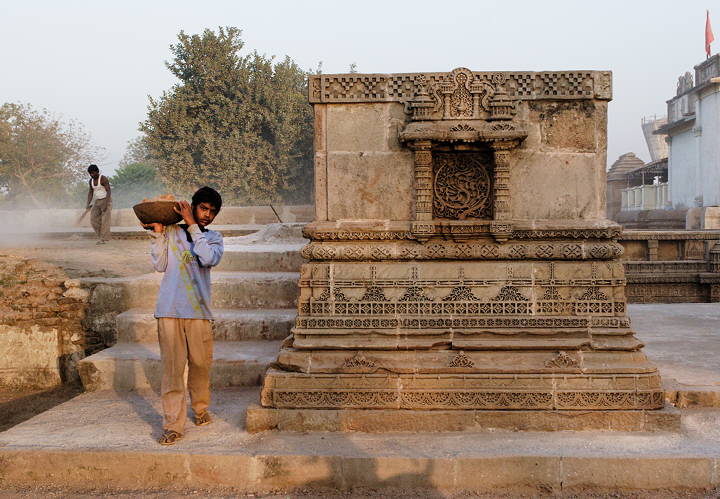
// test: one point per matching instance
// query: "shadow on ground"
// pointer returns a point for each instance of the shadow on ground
(19, 406)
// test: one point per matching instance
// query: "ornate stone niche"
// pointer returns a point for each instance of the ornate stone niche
(460, 258)
(462, 142)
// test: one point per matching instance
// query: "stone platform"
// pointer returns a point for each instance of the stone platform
(106, 440)
(684, 340)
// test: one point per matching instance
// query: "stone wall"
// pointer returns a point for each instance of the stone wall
(652, 219)
(672, 266)
(41, 335)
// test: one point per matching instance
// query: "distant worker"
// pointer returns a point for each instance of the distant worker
(99, 200)
(186, 253)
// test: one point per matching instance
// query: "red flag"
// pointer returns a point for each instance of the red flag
(708, 34)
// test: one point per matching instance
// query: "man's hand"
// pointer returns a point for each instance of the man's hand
(156, 227)
(184, 209)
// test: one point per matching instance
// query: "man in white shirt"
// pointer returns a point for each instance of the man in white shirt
(99, 201)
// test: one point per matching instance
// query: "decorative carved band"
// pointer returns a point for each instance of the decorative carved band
(449, 228)
(471, 250)
(451, 399)
(425, 323)
(402, 87)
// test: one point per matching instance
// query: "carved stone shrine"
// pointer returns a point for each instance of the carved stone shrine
(460, 258)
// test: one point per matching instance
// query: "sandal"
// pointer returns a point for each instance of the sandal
(203, 418)
(169, 437)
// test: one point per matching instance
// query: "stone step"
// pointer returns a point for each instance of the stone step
(262, 257)
(140, 326)
(229, 290)
(107, 440)
(136, 366)
(109, 297)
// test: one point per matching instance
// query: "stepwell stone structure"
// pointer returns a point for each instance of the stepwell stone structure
(680, 266)
(460, 258)
(254, 290)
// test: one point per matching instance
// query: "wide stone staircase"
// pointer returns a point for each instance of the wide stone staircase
(253, 297)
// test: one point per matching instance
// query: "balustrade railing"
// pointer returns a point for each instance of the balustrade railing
(645, 197)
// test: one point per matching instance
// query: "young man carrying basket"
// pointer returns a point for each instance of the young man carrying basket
(186, 253)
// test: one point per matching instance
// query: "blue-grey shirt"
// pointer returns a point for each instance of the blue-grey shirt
(185, 288)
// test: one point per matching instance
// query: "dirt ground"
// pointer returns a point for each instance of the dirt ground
(81, 257)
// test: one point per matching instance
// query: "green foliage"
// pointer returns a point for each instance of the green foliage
(238, 123)
(137, 152)
(133, 182)
(41, 157)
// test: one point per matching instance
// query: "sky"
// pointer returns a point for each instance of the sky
(97, 62)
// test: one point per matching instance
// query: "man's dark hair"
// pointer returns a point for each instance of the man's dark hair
(93, 168)
(207, 195)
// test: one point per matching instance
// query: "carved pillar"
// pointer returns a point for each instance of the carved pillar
(502, 181)
(423, 179)
(652, 245)
(714, 260)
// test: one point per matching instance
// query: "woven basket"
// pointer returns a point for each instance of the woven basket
(157, 212)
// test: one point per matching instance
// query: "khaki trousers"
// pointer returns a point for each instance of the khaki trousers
(100, 218)
(184, 341)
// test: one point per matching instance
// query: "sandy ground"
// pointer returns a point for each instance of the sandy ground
(81, 257)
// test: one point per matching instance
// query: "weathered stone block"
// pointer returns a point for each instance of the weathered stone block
(569, 125)
(359, 182)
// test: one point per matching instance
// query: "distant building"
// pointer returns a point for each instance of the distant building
(680, 187)
(693, 135)
(657, 145)
(618, 180)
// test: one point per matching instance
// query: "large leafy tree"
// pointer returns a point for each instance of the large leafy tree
(239, 123)
(41, 157)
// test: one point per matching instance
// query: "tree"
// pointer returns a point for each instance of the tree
(137, 151)
(239, 123)
(41, 157)
(132, 182)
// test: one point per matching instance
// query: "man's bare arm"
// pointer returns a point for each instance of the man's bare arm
(90, 195)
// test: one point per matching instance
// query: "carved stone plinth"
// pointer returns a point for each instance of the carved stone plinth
(389, 420)
(460, 259)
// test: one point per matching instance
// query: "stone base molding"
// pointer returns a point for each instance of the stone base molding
(412, 421)
(460, 392)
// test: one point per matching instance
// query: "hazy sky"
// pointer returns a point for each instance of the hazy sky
(97, 61)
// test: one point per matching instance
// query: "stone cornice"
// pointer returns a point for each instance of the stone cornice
(402, 87)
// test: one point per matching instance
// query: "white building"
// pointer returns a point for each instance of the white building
(693, 136)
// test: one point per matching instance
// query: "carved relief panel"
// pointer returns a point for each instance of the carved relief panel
(462, 185)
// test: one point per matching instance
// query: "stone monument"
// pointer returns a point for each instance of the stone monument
(460, 259)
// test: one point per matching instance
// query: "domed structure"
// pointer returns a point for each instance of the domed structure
(623, 165)
(617, 179)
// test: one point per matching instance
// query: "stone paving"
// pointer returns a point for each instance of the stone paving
(683, 339)
(107, 439)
